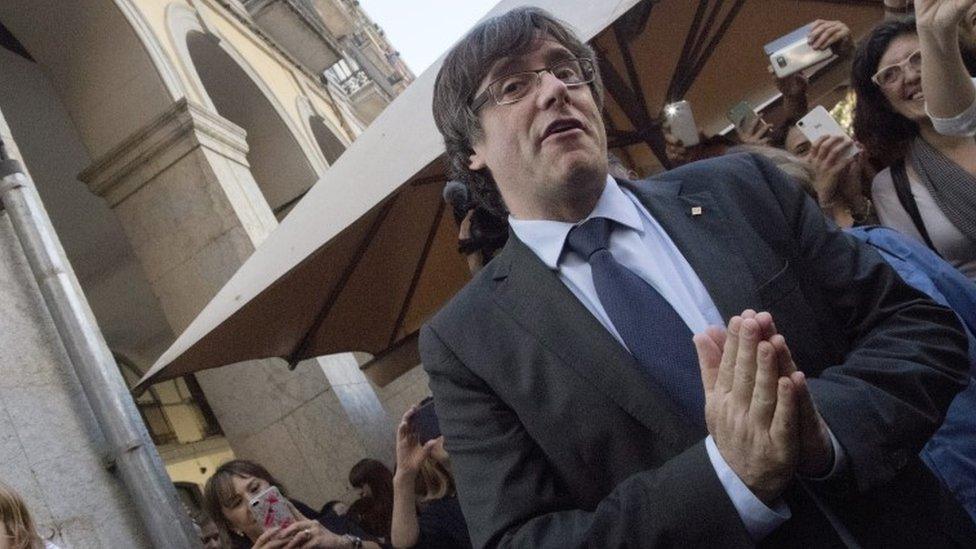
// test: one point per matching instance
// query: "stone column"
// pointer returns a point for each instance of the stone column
(193, 213)
(361, 404)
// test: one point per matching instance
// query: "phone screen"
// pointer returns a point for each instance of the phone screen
(425, 422)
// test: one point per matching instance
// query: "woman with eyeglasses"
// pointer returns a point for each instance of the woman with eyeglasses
(928, 190)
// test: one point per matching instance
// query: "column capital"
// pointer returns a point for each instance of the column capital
(170, 136)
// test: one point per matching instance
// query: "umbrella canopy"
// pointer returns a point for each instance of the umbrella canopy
(371, 252)
(364, 258)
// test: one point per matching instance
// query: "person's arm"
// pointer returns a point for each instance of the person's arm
(898, 10)
(949, 90)
(907, 357)
(405, 530)
(794, 89)
(512, 496)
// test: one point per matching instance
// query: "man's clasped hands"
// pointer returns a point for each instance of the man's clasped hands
(758, 406)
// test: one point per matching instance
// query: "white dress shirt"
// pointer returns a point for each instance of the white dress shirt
(641, 244)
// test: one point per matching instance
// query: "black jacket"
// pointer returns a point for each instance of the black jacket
(556, 440)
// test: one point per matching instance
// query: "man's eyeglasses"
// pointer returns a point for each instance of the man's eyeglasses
(894, 73)
(513, 87)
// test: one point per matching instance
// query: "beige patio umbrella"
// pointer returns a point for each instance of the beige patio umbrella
(364, 258)
(371, 252)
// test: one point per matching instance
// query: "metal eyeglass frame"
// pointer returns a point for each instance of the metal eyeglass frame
(586, 67)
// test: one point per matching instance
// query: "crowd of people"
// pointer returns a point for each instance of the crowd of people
(799, 422)
(901, 192)
(413, 506)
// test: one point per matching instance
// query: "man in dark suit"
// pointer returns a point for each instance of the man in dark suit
(577, 407)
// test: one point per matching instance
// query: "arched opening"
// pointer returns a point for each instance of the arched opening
(69, 98)
(327, 141)
(111, 88)
(277, 161)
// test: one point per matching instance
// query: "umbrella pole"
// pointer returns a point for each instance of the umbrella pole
(130, 451)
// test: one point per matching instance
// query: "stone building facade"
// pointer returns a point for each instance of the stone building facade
(167, 139)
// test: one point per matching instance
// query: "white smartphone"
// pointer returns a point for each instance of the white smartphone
(818, 123)
(271, 509)
(792, 53)
(682, 123)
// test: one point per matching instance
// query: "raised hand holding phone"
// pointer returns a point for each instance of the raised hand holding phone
(793, 53)
(818, 123)
(270, 509)
(681, 123)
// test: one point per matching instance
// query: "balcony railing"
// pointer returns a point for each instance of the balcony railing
(352, 83)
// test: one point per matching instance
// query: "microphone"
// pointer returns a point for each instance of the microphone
(457, 196)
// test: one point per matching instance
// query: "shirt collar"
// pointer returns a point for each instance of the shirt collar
(546, 237)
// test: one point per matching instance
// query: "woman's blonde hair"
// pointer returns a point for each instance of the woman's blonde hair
(436, 481)
(16, 520)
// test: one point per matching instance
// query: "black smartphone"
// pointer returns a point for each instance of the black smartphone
(425, 422)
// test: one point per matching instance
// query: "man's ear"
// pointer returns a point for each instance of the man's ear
(476, 162)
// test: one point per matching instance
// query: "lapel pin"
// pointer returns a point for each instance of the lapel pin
(696, 210)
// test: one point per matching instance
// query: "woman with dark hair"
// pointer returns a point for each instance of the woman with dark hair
(928, 191)
(423, 480)
(227, 496)
(374, 509)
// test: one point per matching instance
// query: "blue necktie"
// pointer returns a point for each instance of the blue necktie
(653, 331)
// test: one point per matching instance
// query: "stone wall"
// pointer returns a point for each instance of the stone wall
(404, 392)
(51, 449)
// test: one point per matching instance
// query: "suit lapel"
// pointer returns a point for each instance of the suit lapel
(542, 305)
(700, 229)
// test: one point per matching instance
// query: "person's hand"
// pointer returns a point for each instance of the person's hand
(941, 14)
(829, 158)
(305, 533)
(829, 34)
(755, 134)
(409, 452)
(750, 410)
(271, 539)
(793, 86)
(816, 449)
(675, 149)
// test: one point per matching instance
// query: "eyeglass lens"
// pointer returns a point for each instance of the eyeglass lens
(513, 87)
(893, 73)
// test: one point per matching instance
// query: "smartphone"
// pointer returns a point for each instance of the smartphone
(792, 53)
(425, 422)
(818, 123)
(743, 116)
(682, 123)
(271, 509)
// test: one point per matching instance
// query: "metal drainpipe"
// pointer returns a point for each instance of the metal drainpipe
(130, 451)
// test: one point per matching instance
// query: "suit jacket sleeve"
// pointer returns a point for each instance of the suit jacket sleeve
(512, 496)
(907, 355)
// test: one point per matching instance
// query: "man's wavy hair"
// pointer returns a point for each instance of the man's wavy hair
(885, 134)
(467, 64)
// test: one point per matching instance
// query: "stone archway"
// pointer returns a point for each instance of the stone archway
(277, 160)
(111, 88)
(326, 139)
